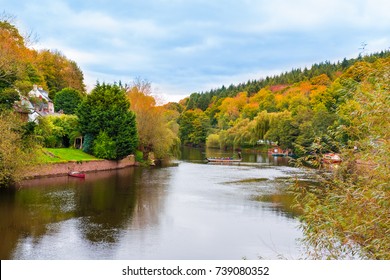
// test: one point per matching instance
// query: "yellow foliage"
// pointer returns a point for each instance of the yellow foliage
(156, 125)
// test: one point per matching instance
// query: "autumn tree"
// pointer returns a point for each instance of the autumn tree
(156, 131)
(59, 72)
(11, 54)
(17, 149)
(21, 67)
(348, 217)
(230, 110)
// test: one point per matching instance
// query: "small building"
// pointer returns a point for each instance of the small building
(41, 101)
(36, 104)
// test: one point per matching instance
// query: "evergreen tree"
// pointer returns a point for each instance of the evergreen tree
(67, 100)
(105, 114)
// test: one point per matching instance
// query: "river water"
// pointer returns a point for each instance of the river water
(186, 210)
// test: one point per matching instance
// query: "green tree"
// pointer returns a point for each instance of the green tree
(213, 141)
(57, 131)
(283, 130)
(67, 100)
(8, 97)
(106, 109)
(104, 146)
(194, 127)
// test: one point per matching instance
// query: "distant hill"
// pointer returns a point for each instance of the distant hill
(294, 109)
(202, 100)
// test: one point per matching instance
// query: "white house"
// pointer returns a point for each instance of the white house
(46, 106)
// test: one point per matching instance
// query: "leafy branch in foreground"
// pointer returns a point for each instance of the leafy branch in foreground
(17, 149)
(348, 216)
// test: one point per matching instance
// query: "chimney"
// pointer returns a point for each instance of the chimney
(35, 87)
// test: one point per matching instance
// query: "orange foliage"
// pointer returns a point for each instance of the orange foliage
(232, 106)
(305, 87)
(322, 79)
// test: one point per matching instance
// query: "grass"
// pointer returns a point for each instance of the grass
(58, 155)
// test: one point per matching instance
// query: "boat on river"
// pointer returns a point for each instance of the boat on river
(279, 152)
(224, 160)
(76, 174)
(331, 158)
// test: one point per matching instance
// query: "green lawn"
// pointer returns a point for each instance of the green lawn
(50, 155)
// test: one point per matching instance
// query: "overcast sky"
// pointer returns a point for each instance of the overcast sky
(185, 46)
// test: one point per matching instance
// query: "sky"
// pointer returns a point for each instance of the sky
(182, 47)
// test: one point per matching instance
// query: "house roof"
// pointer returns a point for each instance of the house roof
(38, 91)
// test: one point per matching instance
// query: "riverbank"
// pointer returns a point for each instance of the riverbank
(60, 169)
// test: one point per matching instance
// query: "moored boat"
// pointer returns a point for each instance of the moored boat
(76, 174)
(279, 152)
(224, 160)
(331, 158)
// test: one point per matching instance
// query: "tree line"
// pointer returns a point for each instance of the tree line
(347, 215)
(295, 114)
(202, 100)
(21, 67)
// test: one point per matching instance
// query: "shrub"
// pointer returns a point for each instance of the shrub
(104, 146)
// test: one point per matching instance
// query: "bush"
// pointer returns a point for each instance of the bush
(104, 146)
(57, 131)
(139, 156)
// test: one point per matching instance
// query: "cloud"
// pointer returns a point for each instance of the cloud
(187, 46)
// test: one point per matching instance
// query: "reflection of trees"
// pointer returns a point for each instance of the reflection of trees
(27, 212)
(10, 226)
(105, 204)
(283, 202)
(192, 154)
(280, 203)
(150, 199)
(109, 204)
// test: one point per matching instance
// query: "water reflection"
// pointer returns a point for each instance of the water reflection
(181, 211)
(199, 155)
(104, 204)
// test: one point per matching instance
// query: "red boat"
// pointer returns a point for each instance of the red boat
(76, 174)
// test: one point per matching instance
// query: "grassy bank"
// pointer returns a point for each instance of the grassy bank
(58, 155)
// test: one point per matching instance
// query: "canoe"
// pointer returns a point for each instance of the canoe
(76, 174)
(223, 160)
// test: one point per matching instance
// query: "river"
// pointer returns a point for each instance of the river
(186, 210)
